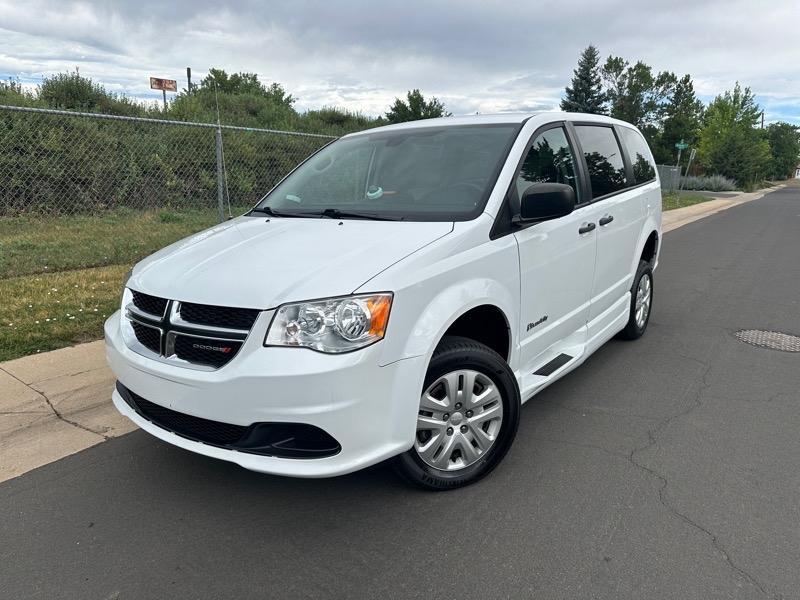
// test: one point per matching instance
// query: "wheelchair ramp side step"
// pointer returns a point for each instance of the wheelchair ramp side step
(553, 366)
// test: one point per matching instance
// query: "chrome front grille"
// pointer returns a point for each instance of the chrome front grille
(197, 336)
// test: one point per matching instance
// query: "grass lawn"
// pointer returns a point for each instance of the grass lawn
(61, 277)
(682, 199)
(30, 245)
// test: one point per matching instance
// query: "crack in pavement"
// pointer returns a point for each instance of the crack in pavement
(70, 375)
(652, 441)
(54, 409)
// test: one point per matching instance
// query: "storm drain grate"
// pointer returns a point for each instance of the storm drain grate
(774, 340)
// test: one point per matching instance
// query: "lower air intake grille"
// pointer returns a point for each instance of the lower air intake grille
(285, 440)
(149, 337)
(202, 351)
(204, 430)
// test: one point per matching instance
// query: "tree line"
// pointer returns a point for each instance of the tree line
(117, 164)
(243, 100)
(665, 107)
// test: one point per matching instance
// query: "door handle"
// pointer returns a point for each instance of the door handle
(586, 228)
(606, 220)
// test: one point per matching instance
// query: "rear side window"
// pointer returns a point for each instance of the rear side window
(549, 160)
(644, 168)
(603, 159)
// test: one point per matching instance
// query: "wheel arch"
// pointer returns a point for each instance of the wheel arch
(649, 240)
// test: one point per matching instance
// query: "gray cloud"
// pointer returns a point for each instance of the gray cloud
(476, 56)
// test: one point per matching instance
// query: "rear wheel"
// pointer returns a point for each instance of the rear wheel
(467, 419)
(641, 302)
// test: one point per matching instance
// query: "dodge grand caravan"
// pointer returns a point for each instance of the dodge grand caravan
(398, 296)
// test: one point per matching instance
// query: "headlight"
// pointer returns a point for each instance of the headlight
(334, 325)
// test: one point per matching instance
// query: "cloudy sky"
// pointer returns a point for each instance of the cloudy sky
(476, 56)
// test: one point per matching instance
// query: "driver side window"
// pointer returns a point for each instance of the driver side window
(550, 160)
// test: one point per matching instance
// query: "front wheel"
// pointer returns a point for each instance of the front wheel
(467, 420)
(641, 302)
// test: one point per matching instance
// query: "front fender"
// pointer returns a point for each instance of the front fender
(446, 307)
(438, 284)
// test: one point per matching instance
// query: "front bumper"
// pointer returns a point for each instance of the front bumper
(369, 410)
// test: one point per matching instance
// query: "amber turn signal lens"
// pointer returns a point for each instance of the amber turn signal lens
(379, 310)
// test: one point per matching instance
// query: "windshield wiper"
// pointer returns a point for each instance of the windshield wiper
(268, 210)
(335, 213)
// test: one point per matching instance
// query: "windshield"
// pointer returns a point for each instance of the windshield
(422, 174)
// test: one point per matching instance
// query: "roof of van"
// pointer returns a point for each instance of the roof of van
(497, 118)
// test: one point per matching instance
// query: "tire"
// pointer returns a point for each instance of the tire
(472, 436)
(635, 328)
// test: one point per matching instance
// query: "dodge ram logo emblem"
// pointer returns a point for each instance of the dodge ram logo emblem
(223, 349)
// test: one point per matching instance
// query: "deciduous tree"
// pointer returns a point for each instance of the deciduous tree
(635, 94)
(784, 143)
(415, 107)
(682, 120)
(730, 143)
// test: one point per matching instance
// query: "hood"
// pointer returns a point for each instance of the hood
(255, 262)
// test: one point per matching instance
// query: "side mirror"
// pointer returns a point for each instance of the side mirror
(545, 201)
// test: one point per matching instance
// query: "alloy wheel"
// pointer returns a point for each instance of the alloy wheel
(644, 294)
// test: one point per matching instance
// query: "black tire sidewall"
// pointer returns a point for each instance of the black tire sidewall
(458, 354)
(632, 330)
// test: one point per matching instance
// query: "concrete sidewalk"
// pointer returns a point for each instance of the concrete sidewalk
(57, 403)
(53, 405)
(672, 219)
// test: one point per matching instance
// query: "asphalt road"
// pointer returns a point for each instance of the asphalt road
(663, 468)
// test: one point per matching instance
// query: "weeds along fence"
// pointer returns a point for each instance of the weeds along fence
(55, 162)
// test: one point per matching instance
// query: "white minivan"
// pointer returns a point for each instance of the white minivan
(399, 296)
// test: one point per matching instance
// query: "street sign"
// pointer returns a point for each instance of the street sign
(167, 85)
(681, 145)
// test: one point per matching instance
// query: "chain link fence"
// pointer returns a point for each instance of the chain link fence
(670, 176)
(66, 163)
(84, 196)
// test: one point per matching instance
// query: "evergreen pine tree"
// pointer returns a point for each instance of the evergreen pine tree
(585, 94)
